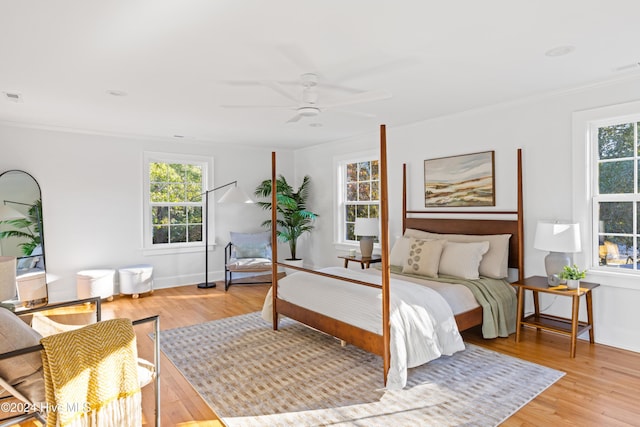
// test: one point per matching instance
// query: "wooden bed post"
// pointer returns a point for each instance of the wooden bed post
(520, 220)
(384, 248)
(404, 197)
(274, 242)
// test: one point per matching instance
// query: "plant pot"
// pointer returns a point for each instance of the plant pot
(295, 263)
(573, 283)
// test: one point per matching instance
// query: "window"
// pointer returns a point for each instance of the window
(616, 196)
(174, 205)
(358, 194)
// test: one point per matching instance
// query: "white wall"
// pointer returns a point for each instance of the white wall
(92, 187)
(542, 128)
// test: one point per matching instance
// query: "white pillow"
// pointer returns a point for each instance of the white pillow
(462, 259)
(495, 263)
(399, 251)
(424, 257)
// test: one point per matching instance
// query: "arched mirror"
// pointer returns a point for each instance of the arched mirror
(21, 234)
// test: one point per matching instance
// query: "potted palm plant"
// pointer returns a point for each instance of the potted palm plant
(26, 229)
(293, 217)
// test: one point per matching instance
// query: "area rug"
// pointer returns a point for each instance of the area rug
(251, 375)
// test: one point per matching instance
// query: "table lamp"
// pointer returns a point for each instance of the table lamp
(367, 229)
(560, 239)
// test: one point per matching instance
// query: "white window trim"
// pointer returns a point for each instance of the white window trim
(583, 181)
(175, 248)
(338, 195)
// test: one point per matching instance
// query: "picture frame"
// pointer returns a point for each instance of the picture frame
(460, 181)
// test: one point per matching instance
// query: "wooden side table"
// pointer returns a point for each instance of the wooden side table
(568, 326)
(364, 261)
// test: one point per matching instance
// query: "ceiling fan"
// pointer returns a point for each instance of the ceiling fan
(307, 102)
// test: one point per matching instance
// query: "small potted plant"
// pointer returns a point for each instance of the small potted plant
(572, 274)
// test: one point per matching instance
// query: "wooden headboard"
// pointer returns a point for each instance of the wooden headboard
(420, 220)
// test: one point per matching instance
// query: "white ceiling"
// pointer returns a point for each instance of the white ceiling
(180, 61)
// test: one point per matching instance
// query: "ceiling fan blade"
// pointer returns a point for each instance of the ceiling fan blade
(378, 69)
(288, 107)
(356, 113)
(280, 89)
(297, 56)
(294, 118)
(342, 88)
(241, 82)
(253, 83)
(375, 95)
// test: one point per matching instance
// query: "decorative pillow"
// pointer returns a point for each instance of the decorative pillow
(495, 263)
(424, 257)
(251, 245)
(252, 251)
(399, 251)
(23, 372)
(462, 259)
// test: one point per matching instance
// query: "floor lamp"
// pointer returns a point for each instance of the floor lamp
(233, 195)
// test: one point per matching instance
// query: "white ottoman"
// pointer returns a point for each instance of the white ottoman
(32, 287)
(95, 283)
(136, 279)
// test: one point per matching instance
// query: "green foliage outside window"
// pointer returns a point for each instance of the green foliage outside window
(362, 194)
(176, 202)
(618, 160)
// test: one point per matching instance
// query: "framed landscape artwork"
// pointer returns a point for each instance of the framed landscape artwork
(458, 181)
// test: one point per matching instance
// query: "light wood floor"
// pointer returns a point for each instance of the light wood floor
(601, 386)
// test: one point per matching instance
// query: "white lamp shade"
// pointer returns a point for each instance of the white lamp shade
(366, 227)
(7, 278)
(557, 237)
(235, 195)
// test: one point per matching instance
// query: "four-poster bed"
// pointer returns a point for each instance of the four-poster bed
(378, 339)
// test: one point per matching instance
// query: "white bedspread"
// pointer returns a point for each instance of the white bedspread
(422, 324)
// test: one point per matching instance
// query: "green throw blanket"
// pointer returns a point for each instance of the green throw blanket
(496, 296)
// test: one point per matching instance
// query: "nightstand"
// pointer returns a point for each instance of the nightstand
(364, 261)
(568, 326)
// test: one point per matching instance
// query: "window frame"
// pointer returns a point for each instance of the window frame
(585, 184)
(340, 164)
(206, 162)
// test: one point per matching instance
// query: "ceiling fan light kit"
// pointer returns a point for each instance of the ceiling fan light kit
(308, 111)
